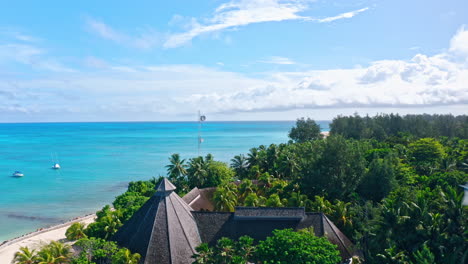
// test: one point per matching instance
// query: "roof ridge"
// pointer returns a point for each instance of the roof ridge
(333, 227)
(182, 226)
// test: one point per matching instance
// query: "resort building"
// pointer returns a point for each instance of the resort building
(167, 228)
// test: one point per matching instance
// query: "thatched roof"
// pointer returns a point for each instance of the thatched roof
(200, 199)
(163, 230)
(261, 221)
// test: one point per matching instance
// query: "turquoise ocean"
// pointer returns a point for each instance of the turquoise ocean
(99, 159)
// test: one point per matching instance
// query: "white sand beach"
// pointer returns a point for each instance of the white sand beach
(35, 239)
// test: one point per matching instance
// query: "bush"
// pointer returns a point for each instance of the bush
(289, 247)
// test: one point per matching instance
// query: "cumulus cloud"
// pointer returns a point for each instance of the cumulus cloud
(423, 81)
(459, 43)
(238, 13)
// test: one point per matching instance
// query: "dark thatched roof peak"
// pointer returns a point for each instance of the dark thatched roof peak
(165, 186)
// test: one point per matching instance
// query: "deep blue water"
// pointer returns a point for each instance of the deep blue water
(99, 159)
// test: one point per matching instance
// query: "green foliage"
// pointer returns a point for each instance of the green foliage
(274, 201)
(384, 126)
(218, 173)
(25, 256)
(177, 173)
(379, 179)
(338, 170)
(423, 256)
(206, 172)
(144, 188)
(106, 224)
(240, 166)
(75, 231)
(225, 197)
(427, 154)
(52, 253)
(305, 130)
(287, 246)
(226, 251)
(124, 256)
(95, 250)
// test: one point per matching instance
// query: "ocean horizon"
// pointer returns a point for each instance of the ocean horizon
(98, 159)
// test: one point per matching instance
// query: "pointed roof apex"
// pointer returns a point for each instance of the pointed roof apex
(165, 186)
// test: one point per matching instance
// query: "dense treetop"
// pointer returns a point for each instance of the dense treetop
(384, 126)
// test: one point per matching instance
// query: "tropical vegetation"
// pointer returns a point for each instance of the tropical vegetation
(282, 247)
(389, 182)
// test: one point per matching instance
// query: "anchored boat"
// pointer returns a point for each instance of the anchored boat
(17, 174)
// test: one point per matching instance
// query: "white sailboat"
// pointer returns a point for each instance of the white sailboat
(56, 165)
(17, 174)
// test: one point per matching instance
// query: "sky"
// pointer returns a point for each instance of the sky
(78, 61)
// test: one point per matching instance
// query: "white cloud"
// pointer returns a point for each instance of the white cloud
(14, 34)
(145, 39)
(278, 60)
(149, 92)
(459, 43)
(244, 12)
(30, 55)
(424, 81)
(341, 16)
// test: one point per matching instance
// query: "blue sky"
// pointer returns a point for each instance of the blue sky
(234, 60)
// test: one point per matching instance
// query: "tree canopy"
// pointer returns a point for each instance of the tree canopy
(305, 130)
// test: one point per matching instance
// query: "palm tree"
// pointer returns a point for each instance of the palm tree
(320, 204)
(240, 165)
(176, 168)
(124, 256)
(209, 158)
(245, 188)
(25, 256)
(288, 166)
(341, 213)
(252, 200)
(75, 231)
(46, 257)
(59, 251)
(196, 172)
(225, 197)
(298, 200)
(111, 225)
(253, 157)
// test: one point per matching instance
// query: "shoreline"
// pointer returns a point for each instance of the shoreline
(55, 232)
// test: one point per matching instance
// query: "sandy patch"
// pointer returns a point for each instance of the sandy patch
(36, 239)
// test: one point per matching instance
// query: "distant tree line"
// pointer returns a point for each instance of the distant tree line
(385, 126)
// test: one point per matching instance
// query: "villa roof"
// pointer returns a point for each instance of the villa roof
(163, 230)
(200, 199)
(166, 229)
(215, 225)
